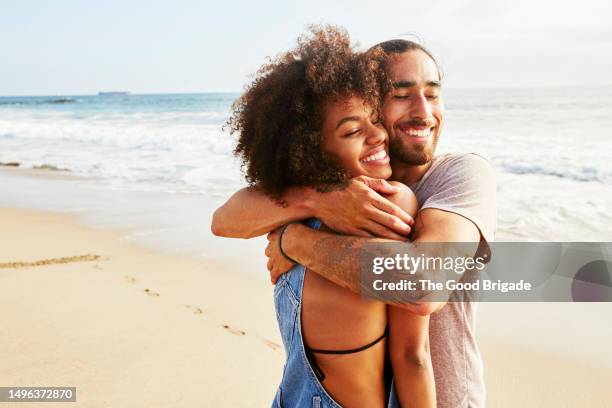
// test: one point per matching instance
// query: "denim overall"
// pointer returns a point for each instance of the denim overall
(299, 387)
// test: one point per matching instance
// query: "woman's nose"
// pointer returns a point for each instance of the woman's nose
(377, 134)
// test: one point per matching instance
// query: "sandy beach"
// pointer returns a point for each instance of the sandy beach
(132, 326)
(125, 125)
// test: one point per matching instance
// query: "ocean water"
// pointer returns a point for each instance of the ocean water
(551, 148)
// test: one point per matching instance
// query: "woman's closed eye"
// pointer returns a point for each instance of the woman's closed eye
(401, 96)
(352, 132)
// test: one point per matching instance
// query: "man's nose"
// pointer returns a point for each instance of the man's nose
(420, 107)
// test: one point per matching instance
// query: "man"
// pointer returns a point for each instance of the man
(456, 194)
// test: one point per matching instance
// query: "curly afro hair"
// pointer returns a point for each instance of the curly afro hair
(280, 115)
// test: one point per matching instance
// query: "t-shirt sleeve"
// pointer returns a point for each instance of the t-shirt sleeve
(466, 185)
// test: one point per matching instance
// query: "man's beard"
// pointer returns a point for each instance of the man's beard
(415, 155)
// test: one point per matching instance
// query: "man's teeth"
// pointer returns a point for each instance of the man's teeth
(418, 132)
(376, 156)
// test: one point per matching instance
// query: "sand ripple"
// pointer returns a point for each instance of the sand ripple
(50, 261)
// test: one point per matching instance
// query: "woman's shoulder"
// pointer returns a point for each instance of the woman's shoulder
(404, 198)
(399, 184)
(404, 190)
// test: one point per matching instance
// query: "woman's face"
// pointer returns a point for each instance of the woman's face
(352, 133)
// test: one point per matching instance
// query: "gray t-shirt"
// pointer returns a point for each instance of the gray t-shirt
(463, 184)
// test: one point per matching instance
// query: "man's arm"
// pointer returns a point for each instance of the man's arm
(460, 208)
(358, 209)
(250, 213)
(337, 257)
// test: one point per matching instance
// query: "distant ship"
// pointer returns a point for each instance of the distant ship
(117, 93)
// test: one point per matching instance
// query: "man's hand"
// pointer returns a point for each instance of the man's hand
(361, 210)
(277, 263)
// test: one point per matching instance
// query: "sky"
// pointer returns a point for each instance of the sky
(82, 47)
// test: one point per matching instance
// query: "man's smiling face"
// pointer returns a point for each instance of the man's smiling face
(413, 110)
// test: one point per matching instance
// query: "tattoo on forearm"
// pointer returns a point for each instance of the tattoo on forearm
(340, 264)
(340, 259)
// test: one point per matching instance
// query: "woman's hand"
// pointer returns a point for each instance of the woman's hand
(277, 263)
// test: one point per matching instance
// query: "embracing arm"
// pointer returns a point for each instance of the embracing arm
(250, 213)
(461, 210)
(337, 257)
(357, 209)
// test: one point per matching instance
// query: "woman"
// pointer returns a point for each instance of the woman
(310, 118)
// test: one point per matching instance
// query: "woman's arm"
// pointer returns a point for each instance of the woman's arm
(358, 210)
(409, 338)
(411, 358)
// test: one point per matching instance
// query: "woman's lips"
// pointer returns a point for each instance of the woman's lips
(378, 158)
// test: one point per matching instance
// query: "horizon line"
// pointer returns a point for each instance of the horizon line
(238, 92)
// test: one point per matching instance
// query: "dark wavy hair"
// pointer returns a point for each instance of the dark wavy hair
(399, 46)
(280, 115)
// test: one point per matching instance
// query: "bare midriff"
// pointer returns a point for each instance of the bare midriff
(334, 318)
